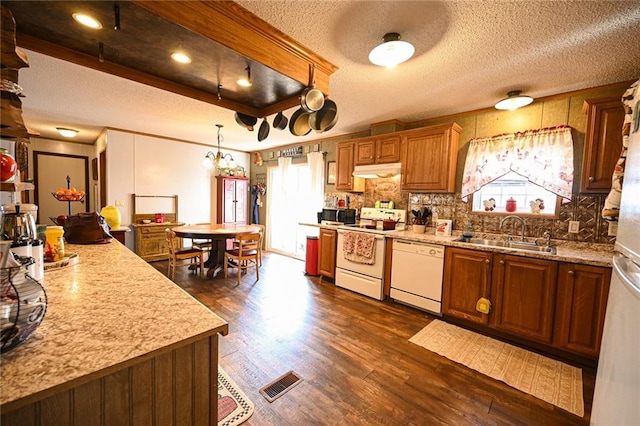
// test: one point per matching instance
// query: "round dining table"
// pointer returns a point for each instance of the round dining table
(219, 233)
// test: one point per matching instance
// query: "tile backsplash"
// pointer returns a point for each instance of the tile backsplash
(583, 208)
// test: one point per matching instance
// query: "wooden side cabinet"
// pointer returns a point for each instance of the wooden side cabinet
(582, 296)
(327, 248)
(150, 240)
(602, 142)
(523, 296)
(345, 181)
(232, 195)
(377, 150)
(429, 157)
(467, 278)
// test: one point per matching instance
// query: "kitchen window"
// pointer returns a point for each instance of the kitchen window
(529, 198)
(528, 171)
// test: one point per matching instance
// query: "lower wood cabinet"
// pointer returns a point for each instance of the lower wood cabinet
(467, 278)
(581, 303)
(557, 304)
(523, 295)
(327, 246)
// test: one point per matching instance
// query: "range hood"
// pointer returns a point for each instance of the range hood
(377, 170)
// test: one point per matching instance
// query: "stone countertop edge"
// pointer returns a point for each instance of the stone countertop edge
(567, 251)
(109, 311)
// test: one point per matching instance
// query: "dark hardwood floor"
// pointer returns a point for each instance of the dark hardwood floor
(354, 356)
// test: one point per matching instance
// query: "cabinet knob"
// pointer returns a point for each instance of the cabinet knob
(591, 179)
(502, 262)
(487, 261)
(571, 272)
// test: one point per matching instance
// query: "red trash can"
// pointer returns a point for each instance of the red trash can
(311, 261)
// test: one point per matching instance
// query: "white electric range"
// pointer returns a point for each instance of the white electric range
(361, 251)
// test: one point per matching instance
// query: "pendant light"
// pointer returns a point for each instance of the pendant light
(513, 101)
(392, 51)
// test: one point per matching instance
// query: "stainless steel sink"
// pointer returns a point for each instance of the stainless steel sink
(515, 245)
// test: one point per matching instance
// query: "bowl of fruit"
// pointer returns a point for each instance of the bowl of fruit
(69, 194)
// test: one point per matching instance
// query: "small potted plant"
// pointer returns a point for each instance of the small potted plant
(420, 219)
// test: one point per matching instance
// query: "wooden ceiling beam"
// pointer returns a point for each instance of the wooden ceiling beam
(236, 28)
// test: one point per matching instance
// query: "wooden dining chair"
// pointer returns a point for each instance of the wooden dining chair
(182, 256)
(244, 255)
(258, 245)
(202, 243)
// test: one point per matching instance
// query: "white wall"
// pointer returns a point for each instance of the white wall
(151, 165)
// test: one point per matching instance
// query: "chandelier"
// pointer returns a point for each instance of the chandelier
(221, 162)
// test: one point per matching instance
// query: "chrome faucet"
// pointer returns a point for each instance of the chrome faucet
(514, 217)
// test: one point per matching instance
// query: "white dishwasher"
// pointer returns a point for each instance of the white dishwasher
(416, 275)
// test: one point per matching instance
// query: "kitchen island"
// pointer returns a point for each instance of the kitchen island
(120, 343)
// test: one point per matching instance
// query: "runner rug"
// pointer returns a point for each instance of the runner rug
(547, 379)
(233, 405)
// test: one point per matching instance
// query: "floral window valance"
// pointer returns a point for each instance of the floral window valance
(543, 156)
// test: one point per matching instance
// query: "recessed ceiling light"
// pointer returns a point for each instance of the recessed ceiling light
(513, 101)
(392, 51)
(67, 133)
(87, 21)
(180, 57)
(245, 81)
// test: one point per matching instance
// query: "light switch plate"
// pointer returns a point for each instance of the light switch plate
(613, 229)
(119, 203)
(574, 226)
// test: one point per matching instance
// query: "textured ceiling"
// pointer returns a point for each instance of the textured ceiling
(469, 54)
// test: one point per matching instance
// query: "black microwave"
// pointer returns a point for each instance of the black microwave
(346, 216)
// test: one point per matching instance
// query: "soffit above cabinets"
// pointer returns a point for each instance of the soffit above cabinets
(222, 38)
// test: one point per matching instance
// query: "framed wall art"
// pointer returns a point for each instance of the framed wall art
(331, 172)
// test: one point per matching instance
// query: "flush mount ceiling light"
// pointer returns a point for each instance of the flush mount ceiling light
(246, 82)
(392, 51)
(87, 20)
(180, 57)
(67, 133)
(514, 100)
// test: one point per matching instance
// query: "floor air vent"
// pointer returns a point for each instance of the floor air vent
(280, 386)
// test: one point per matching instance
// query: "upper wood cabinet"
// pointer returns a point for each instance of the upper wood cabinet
(583, 292)
(345, 181)
(602, 143)
(377, 150)
(429, 157)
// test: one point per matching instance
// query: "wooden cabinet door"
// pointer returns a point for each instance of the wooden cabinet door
(241, 195)
(582, 296)
(523, 296)
(602, 142)
(467, 275)
(344, 168)
(365, 152)
(429, 158)
(327, 246)
(228, 198)
(388, 149)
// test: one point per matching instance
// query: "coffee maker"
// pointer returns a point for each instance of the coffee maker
(18, 226)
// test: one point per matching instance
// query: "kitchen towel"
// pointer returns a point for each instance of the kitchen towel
(358, 247)
(545, 378)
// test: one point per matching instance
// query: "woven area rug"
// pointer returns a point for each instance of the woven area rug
(550, 380)
(233, 405)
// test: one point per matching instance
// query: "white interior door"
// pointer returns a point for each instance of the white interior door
(50, 173)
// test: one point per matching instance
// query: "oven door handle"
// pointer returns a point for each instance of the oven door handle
(378, 236)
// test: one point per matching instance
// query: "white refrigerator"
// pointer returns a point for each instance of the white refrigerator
(616, 400)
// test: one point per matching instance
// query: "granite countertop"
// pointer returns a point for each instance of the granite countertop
(567, 251)
(103, 313)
